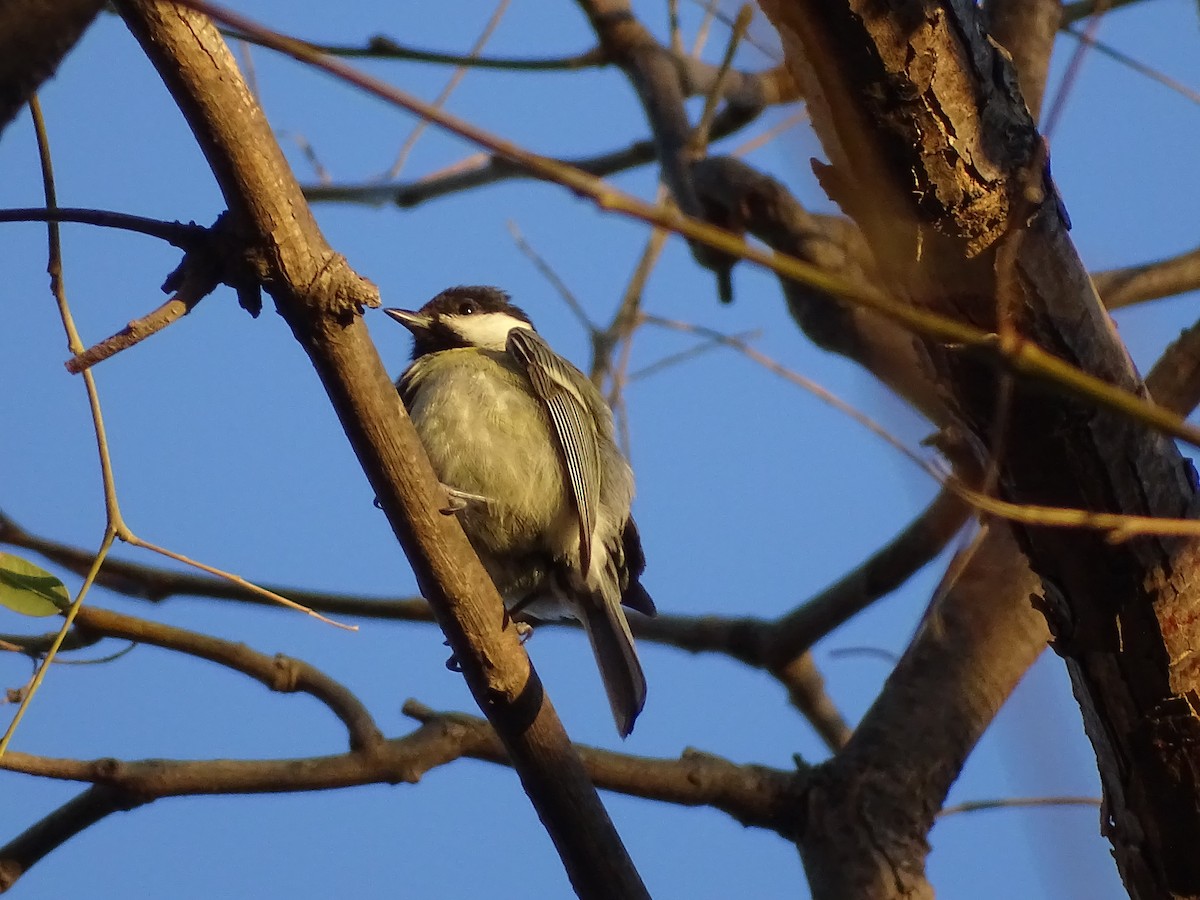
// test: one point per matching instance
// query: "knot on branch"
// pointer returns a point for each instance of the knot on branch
(220, 254)
(106, 770)
(341, 292)
(287, 674)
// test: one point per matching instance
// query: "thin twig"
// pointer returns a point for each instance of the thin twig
(279, 673)
(191, 292)
(711, 14)
(1087, 37)
(547, 271)
(189, 236)
(699, 349)
(1074, 65)
(455, 79)
(700, 134)
(58, 287)
(1015, 803)
(130, 538)
(1026, 358)
(383, 47)
(787, 123)
(156, 584)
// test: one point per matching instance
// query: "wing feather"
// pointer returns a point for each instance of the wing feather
(554, 382)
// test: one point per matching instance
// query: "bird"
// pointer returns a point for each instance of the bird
(523, 444)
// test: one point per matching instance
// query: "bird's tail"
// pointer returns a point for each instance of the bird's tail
(612, 642)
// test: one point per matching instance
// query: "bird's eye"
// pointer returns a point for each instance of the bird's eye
(467, 308)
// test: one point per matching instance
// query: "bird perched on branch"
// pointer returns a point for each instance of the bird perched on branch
(523, 443)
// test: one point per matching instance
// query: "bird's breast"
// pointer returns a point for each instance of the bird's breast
(487, 434)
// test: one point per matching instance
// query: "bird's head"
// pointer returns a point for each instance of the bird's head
(474, 316)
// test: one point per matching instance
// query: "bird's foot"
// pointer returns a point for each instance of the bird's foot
(524, 633)
(457, 501)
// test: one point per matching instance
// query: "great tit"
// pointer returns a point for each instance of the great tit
(523, 443)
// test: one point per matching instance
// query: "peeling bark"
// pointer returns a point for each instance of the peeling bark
(936, 157)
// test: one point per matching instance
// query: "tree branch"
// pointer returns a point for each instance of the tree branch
(871, 806)
(651, 70)
(923, 539)
(186, 236)
(35, 35)
(1149, 281)
(20, 854)
(755, 796)
(1122, 614)
(381, 46)
(1174, 381)
(279, 673)
(158, 585)
(321, 299)
(485, 169)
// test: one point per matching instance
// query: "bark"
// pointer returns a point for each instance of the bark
(935, 156)
(35, 35)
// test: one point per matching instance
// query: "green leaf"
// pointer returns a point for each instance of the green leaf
(31, 591)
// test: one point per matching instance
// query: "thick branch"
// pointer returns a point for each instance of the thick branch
(35, 35)
(981, 230)
(321, 299)
(951, 681)
(872, 806)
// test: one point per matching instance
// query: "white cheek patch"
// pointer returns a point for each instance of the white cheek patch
(486, 330)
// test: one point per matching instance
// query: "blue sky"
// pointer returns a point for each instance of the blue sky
(751, 494)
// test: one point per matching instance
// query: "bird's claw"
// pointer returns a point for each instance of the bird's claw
(524, 633)
(457, 501)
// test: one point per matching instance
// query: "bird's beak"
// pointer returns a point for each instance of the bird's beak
(415, 322)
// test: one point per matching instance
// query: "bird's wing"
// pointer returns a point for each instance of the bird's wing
(554, 381)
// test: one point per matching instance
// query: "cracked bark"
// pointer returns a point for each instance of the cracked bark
(935, 156)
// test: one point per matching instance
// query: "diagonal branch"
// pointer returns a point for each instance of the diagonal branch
(1122, 614)
(321, 299)
(1149, 281)
(34, 844)
(485, 169)
(158, 585)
